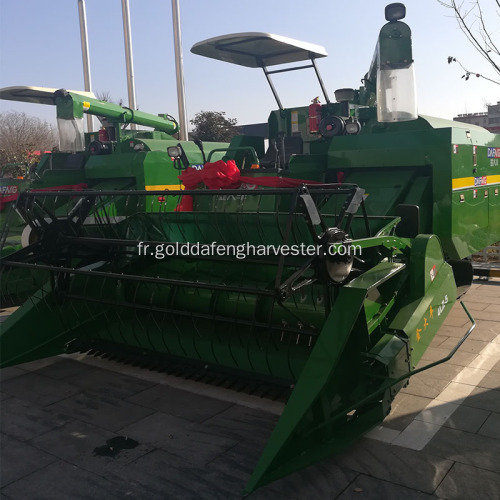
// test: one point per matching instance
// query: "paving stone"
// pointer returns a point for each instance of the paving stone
(437, 412)
(163, 474)
(180, 437)
(33, 366)
(460, 358)
(241, 422)
(471, 376)
(398, 465)
(466, 448)
(488, 314)
(444, 371)
(489, 288)
(4, 396)
(464, 482)
(420, 431)
(438, 340)
(63, 368)
(484, 297)
(486, 330)
(468, 419)
(19, 459)
(485, 362)
(240, 460)
(486, 399)
(425, 385)
(25, 420)
(470, 345)
(101, 410)
(62, 481)
(77, 442)
(491, 380)
(10, 372)
(453, 331)
(38, 389)
(491, 427)
(324, 480)
(476, 306)
(381, 433)
(456, 392)
(456, 320)
(179, 403)
(370, 488)
(405, 408)
(109, 383)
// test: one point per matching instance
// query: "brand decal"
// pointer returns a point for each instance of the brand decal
(493, 152)
(7, 195)
(8, 190)
(443, 305)
(234, 197)
(480, 181)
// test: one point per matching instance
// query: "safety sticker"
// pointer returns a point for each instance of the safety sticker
(432, 272)
(455, 149)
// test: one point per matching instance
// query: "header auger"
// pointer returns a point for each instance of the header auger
(318, 270)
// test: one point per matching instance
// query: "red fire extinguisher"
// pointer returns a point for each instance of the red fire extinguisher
(103, 135)
(314, 115)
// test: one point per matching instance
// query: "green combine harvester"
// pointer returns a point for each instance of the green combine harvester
(114, 158)
(318, 268)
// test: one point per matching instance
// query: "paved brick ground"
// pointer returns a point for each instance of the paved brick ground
(198, 442)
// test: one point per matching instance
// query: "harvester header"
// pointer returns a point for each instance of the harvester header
(365, 211)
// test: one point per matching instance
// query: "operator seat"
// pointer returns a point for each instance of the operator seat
(280, 150)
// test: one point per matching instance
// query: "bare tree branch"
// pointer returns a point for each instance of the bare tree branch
(486, 47)
(484, 32)
(468, 73)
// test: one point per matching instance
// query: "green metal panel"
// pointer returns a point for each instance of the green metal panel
(446, 154)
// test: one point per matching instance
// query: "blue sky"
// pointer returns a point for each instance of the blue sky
(40, 45)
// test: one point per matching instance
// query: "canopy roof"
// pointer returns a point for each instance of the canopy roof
(257, 50)
(37, 95)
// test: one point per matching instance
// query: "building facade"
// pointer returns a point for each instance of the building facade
(489, 120)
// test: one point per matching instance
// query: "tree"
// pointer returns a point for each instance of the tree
(476, 27)
(213, 126)
(105, 95)
(21, 135)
